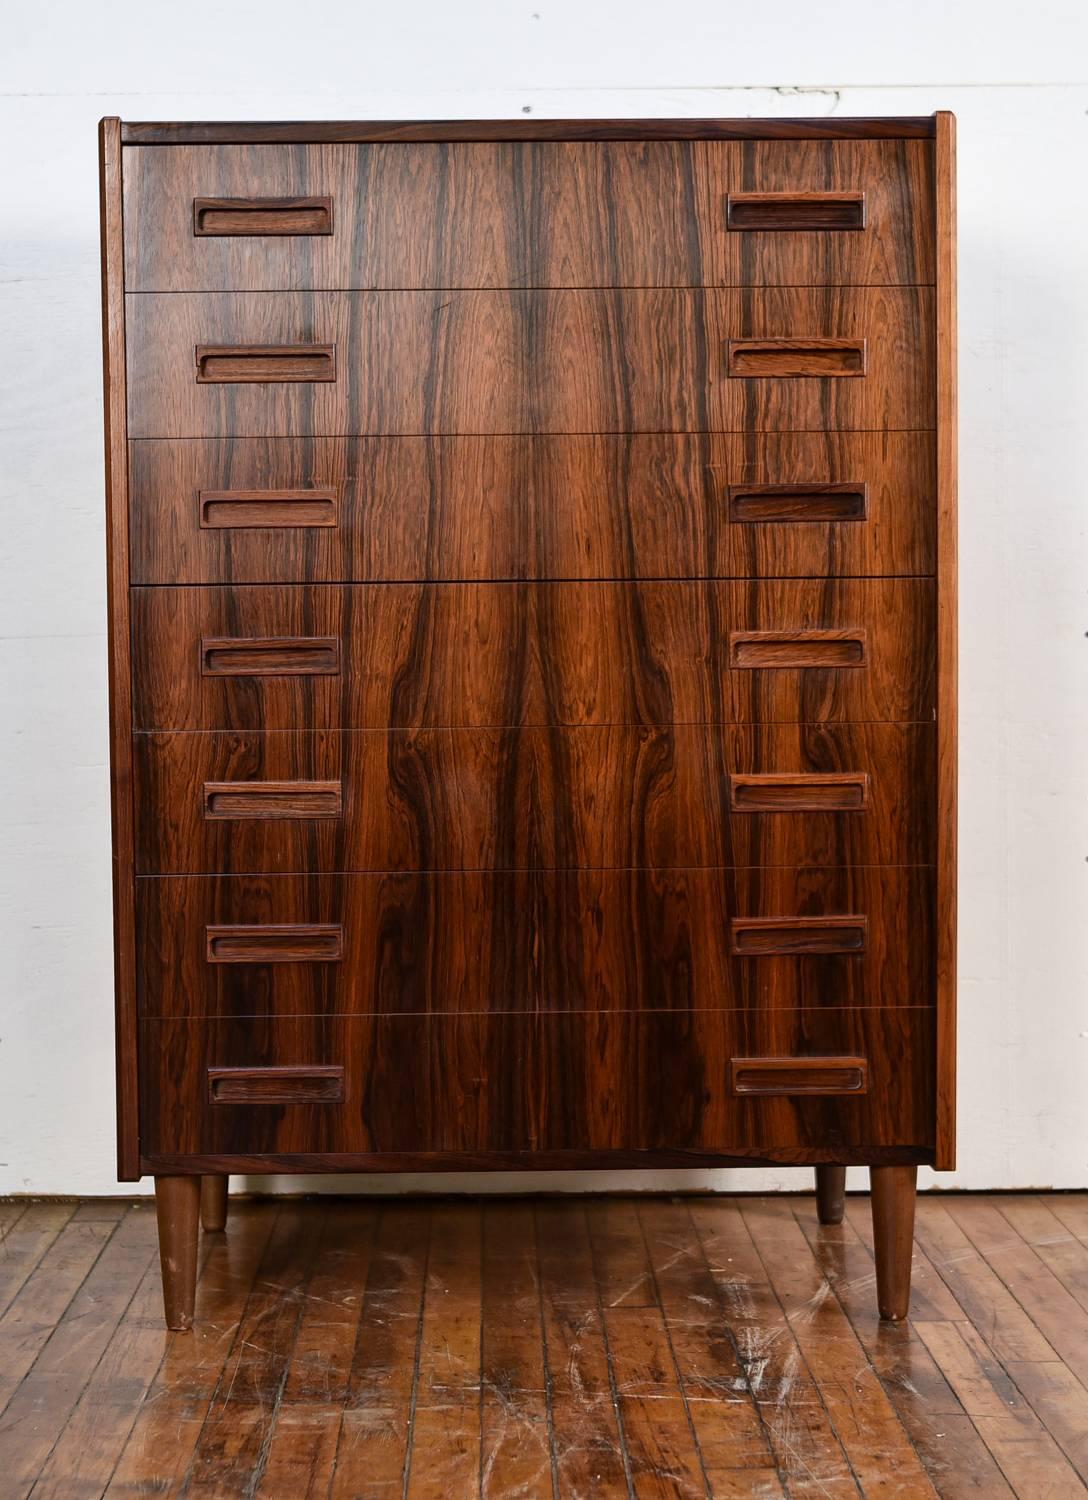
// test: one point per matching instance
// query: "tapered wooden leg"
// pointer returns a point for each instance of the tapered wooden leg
(893, 1193)
(830, 1194)
(213, 1203)
(177, 1206)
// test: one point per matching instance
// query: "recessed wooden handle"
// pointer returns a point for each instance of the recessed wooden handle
(271, 656)
(272, 799)
(789, 792)
(776, 212)
(240, 216)
(238, 510)
(317, 1085)
(246, 364)
(799, 1075)
(306, 943)
(790, 503)
(794, 358)
(777, 649)
(768, 937)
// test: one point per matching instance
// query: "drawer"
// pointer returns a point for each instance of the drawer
(534, 798)
(699, 1081)
(577, 940)
(537, 214)
(376, 656)
(649, 505)
(284, 364)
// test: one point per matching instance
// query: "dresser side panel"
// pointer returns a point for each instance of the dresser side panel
(120, 680)
(947, 680)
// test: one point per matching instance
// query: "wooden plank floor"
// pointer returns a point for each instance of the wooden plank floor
(562, 1347)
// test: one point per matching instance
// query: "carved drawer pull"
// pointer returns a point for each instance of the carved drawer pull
(792, 212)
(794, 358)
(245, 364)
(237, 510)
(789, 792)
(269, 943)
(770, 1076)
(790, 503)
(271, 656)
(768, 937)
(272, 799)
(316, 1085)
(250, 216)
(796, 648)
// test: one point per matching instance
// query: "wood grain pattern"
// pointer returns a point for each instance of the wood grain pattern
(399, 655)
(534, 798)
(118, 624)
(531, 214)
(509, 362)
(947, 626)
(664, 941)
(651, 505)
(589, 1082)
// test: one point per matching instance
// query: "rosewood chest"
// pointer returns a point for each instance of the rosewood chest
(532, 630)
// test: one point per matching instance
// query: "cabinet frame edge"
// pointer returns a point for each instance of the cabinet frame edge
(947, 615)
(122, 800)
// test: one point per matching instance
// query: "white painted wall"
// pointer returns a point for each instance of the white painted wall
(1018, 81)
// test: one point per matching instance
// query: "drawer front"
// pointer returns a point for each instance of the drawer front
(600, 1082)
(650, 505)
(579, 940)
(859, 213)
(538, 214)
(534, 798)
(382, 656)
(531, 361)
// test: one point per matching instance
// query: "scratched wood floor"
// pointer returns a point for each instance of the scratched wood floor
(647, 1347)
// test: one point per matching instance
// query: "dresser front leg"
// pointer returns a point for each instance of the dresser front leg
(830, 1194)
(893, 1193)
(213, 1203)
(177, 1207)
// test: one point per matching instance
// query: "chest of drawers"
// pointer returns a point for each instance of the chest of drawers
(532, 634)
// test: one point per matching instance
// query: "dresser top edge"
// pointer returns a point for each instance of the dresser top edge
(349, 132)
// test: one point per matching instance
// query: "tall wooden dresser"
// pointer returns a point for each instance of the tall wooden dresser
(532, 629)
